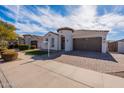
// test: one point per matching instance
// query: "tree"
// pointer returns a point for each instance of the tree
(7, 33)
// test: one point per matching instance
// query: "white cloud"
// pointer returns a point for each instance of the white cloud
(30, 28)
(79, 17)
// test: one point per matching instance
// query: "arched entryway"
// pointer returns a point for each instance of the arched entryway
(62, 42)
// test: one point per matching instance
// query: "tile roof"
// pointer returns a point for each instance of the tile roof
(68, 28)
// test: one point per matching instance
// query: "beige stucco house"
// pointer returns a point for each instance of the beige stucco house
(21, 39)
(69, 39)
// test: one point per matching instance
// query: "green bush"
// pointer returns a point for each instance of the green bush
(13, 46)
(23, 47)
(16, 45)
(9, 55)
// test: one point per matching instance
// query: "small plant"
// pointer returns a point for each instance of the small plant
(9, 55)
(23, 47)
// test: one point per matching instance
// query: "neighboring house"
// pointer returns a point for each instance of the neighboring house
(33, 40)
(69, 39)
(21, 39)
(13, 43)
(116, 46)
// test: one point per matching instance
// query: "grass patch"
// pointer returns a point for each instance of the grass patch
(35, 52)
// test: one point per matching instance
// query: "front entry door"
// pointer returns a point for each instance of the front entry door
(62, 42)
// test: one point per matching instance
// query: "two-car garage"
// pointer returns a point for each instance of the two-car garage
(87, 44)
(83, 40)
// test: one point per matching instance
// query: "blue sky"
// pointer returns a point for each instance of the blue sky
(39, 20)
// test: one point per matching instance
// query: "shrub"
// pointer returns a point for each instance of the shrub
(23, 47)
(33, 46)
(36, 52)
(10, 46)
(16, 45)
(2, 50)
(13, 46)
(9, 55)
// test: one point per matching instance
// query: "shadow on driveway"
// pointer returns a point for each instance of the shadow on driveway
(120, 73)
(94, 55)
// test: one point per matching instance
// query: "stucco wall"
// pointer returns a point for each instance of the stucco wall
(49, 36)
(85, 34)
(39, 43)
(121, 47)
(68, 39)
(104, 45)
(29, 38)
(43, 45)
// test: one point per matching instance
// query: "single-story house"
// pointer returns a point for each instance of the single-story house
(68, 39)
(33, 40)
(116, 46)
(13, 43)
(21, 39)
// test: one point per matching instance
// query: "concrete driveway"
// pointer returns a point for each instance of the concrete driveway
(33, 75)
(111, 63)
(30, 73)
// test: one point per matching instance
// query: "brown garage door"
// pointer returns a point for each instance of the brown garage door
(88, 44)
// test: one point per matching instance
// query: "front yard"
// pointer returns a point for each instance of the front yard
(35, 52)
